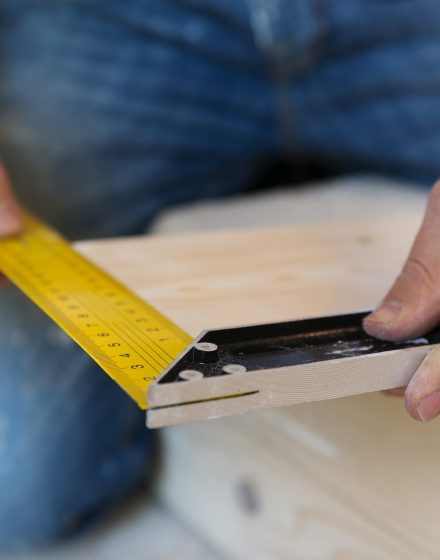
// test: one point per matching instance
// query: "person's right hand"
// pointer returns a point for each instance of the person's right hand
(10, 213)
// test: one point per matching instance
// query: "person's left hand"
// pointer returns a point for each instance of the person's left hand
(412, 308)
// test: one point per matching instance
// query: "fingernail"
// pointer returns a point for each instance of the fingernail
(429, 407)
(386, 315)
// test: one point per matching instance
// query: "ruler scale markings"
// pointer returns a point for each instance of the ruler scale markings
(112, 327)
(23, 280)
(48, 305)
(124, 334)
(137, 331)
(161, 366)
(136, 299)
(129, 332)
(145, 337)
(83, 300)
(103, 358)
(140, 332)
(148, 342)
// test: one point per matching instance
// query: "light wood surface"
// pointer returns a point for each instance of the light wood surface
(222, 279)
(348, 479)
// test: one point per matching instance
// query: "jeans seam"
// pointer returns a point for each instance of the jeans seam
(283, 72)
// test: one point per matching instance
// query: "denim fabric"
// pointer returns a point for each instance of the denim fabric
(129, 107)
(111, 110)
(359, 84)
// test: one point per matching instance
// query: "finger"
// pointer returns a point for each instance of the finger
(422, 396)
(10, 215)
(412, 306)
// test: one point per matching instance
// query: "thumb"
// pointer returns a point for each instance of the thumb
(10, 215)
(422, 396)
(412, 306)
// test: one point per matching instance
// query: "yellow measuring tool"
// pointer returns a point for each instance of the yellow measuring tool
(126, 336)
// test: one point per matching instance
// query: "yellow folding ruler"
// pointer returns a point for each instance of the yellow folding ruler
(128, 338)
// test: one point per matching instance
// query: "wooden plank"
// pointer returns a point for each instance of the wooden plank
(223, 279)
(353, 478)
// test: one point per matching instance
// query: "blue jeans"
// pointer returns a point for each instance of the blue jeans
(112, 110)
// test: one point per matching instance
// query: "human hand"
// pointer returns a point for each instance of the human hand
(10, 214)
(412, 307)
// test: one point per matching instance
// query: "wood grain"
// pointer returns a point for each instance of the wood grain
(349, 479)
(222, 279)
